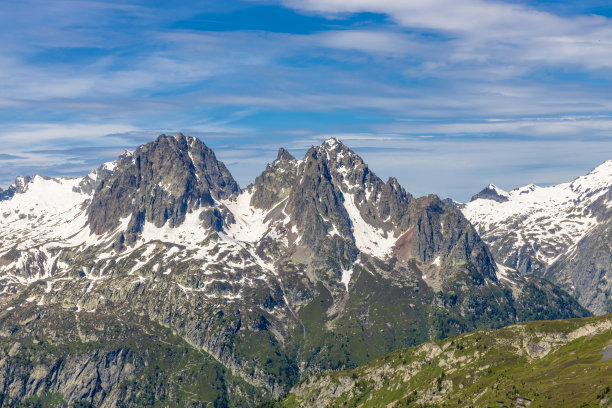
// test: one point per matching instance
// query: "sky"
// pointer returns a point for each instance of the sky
(447, 96)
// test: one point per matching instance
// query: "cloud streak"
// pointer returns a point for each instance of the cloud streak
(480, 30)
(437, 82)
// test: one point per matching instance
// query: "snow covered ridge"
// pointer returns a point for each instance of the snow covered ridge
(551, 220)
(47, 223)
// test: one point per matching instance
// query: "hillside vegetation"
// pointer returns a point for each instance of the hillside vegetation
(562, 363)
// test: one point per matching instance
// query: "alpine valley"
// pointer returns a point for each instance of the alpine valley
(157, 281)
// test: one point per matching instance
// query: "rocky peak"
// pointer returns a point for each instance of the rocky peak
(160, 182)
(382, 205)
(332, 143)
(19, 186)
(316, 207)
(491, 192)
(337, 154)
(284, 155)
(340, 208)
(6, 194)
(274, 183)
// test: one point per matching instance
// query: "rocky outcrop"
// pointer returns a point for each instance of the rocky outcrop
(88, 360)
(491, 192)
(89, 378)
(6, 194)
(275, 182)
(19, 186)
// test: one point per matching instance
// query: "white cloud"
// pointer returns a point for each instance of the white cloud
(465, 69)
(481, 31)
(32, 135)
(553, 127)
(368, 41)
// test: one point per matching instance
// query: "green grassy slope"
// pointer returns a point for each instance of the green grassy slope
(562, 363)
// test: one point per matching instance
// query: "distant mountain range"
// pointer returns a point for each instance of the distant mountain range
(157, 278)
(562, 233)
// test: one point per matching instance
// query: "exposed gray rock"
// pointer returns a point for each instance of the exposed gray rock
(19, 186)
(160, 182)
(491, 192)
(275, 182)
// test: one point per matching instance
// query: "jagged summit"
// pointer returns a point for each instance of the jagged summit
(336, 145)
(333, 204)
(160, 182)
(284, 155)
(491, 192)
(332, 143)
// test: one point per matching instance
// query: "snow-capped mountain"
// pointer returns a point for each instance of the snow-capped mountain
(562, 232)
(318, 264)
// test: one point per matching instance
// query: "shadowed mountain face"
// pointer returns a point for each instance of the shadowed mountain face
(560, 232)
(491, 192)
(317, 265)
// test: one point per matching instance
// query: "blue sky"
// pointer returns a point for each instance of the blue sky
(447, 96)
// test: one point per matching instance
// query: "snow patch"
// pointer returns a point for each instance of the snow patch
(368, 239)
(346, 277)
(502, 272)
(189, 233)
(250, 225)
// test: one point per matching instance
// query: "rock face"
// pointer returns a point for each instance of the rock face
(159, 255)
(161, 182)
(19, 186)
(561, 233)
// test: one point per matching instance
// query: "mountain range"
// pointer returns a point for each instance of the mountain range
(156, 279)
(562, 233)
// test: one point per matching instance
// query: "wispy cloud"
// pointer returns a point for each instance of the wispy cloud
(439, 82)
(480, 29)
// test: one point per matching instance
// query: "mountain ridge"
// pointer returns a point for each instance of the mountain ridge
(317, 265)
(558, 232)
